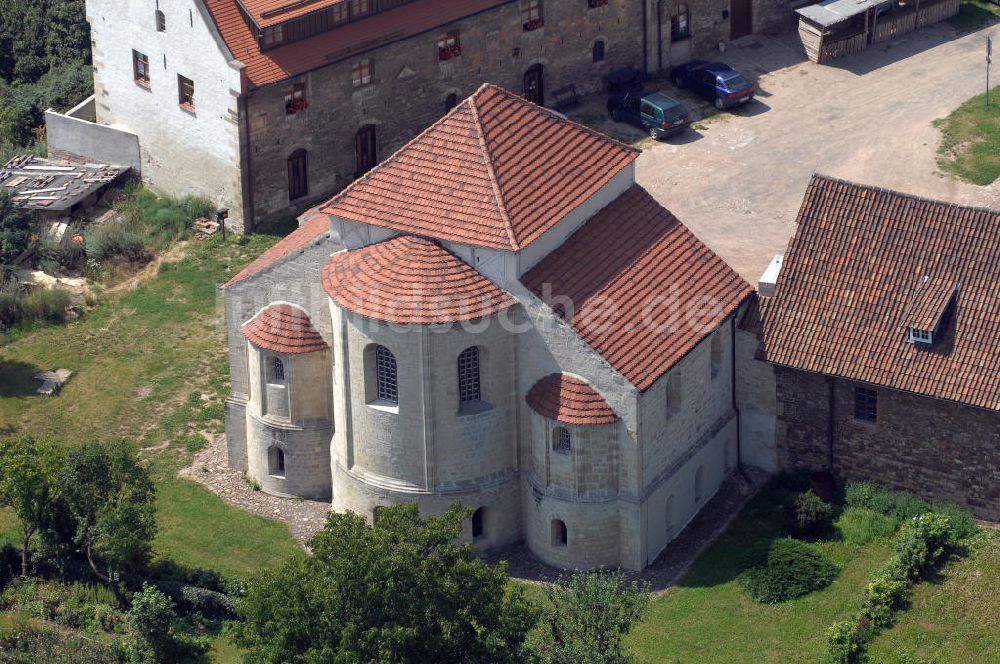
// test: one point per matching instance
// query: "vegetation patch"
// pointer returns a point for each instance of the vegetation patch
(807, 515)
(975, 15)
(790, 568)
(970, 139)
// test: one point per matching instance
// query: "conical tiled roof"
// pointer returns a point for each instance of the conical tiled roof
(570, 400)
(283, 328)
(496, 171)
(411, 280)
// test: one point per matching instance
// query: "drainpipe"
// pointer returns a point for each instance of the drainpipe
(830, 425)
(659, 35)
(645, 37)
(248, 198)
(732, 380)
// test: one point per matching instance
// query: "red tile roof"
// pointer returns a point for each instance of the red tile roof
(645, 290)
(272, 12)
(853, 274)
(411, 280)
(497, 171)
(570, 400)
(283, 328)
(283, 62)
(312, 229)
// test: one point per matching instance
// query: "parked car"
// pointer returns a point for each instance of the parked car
(715, 81)
(653, 112)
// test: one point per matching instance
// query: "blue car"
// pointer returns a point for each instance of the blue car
(653, 112)
(715, 81)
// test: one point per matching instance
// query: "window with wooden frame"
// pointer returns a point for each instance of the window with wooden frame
(532, 16)
(273, 35)
(679, 28)
(298, 175)
(295, 99)
(140, 68)
(161, 21)
(597, 51)
(361, 73)
(449, 45)
(185, 92)
(865, 404)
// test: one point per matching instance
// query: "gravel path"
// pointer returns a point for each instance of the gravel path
(210, 469)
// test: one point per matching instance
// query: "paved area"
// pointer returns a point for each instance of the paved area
(738, 179)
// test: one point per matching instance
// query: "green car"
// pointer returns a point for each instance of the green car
(653, 112)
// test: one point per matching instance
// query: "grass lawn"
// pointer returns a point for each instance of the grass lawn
(955, 618)
(975, 14)
(150, 365)
(970, 139)
(706, 617)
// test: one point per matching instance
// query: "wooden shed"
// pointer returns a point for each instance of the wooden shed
(834, 28)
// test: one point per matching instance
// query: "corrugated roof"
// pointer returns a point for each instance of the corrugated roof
(278, 64)
(411, 280)
(283, 328)
(852, 275)
(570, 400)
(497, 171)
(832, 12)
(644, 289)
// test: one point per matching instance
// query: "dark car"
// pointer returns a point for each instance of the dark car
(653, 112)
(715, 81)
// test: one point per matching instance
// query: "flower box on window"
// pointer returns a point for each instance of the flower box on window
(293, 106)
(449, 52)
(596, 3)
(533, 24)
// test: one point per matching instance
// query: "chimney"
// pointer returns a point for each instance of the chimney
(767, 281)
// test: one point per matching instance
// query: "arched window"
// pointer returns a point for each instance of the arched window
(468, 376)
(559, 533)
(679, 26)
(275, 461)
(562, 441)
(450, 102)
(597, 51)
(385, 376)
(298, 175)
(699, 484)
(275, 371)
(161, 21)
(478, 529)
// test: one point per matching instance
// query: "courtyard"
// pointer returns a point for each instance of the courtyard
(737, 179)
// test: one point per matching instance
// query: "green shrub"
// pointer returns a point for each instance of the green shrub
(859, 525)
(116, 240)
(61, 255)
(901, 506)
(843, 642)
(196, 208)
(961, 523)
(808, 515)
(150, 618)
(923, 543)
(793, 569)
(15, 228)
(41, 304)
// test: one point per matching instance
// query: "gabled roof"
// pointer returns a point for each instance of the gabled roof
(497, 171)
(283, 328)
(853, 276)
(278, 64)
(570, 400)
(310, 230)
(643, 288)
(411, 280)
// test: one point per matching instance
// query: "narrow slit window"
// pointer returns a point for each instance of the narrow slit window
(385, 375)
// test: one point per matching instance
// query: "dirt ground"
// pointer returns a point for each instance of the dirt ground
(737, 180)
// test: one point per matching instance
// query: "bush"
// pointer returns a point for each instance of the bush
(793, 569)
(41, 304)
(843, 642)
(900, 506)
(116, 240)
(150, 618)
(960, 521)
(922, 544)
(807, 515)
(61, 255)
(859, 525)
(15, 228)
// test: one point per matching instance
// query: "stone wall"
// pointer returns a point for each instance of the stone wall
(183, 151)
(411, 85)
(69, 136)
(936, 449)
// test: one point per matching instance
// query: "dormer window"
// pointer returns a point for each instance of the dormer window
(915, 336)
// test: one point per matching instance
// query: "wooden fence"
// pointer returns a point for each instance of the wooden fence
(845, 46)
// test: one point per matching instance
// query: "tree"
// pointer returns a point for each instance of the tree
(28, 485)
(150, 619)
(590, 615)
(402, 591)
(109, 498)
